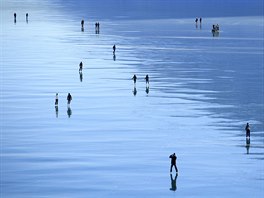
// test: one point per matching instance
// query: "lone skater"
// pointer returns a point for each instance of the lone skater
(147, 79)
(247, 128)
(27, 17)
(56, 99)
(200, 20)
(114, 49)
(69, 98)
(80, 66)
(173, 162)
(82, 23)
(15, 17)
(134, 78)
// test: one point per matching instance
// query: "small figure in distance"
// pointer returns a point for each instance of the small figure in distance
(56, 99)
(200, 20)
(69, 98)
(196, 20)
(97, 28)
(15, 15)
(247, 128)
(114, 49)
(82, 23)
(147, 79)
(134, 78)
(173, 162)
(26, 17)
(80, 66)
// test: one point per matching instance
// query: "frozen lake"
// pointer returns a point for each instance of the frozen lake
(114, 140)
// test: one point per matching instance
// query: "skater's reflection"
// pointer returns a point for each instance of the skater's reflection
(114, 57)
(135, 91)
(57, 111)
(215, 34)
(147, 89)
(81, 76)
(247, 144)
(69, 111)
(173, 182)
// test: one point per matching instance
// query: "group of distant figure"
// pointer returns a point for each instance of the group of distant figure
(134, 78)
(15, 17)
(69, 99)
(196, 20)
(97, 27)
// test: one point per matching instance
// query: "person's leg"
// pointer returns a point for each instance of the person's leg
(176, 168)
(171, 168)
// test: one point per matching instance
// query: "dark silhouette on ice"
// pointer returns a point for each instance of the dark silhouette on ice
(147, 79)
(69, 98)
(114, 49)
(27, 17)
(80, 66)
(56, 99)
(97, 28)
(247, 129)
(15, 15)
(173, 162)
(134, 79)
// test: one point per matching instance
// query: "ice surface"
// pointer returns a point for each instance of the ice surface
(111, 141)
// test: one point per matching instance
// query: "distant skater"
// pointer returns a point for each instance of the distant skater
(80, 66)
(247, 128)
(82, 23)
(134, 78)
(56, 99)
(114, 49)
(27, 17)
(200, 20)
(97, 27)
(147, 79)
(15, 15)
(196, 20)
(69, 98)
(173, 162)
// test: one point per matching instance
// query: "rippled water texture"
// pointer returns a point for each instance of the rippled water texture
(115, 138)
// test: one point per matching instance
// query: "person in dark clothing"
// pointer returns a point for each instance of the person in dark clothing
(27, 17)
(114, 49)
(82, 23)
(173, 162)
(15, 17)
(200, 20)
(196, 20)
(147, 79)
(57, 99)
(247, 128)
(134, 78)
(69, 98)
(80, 67)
